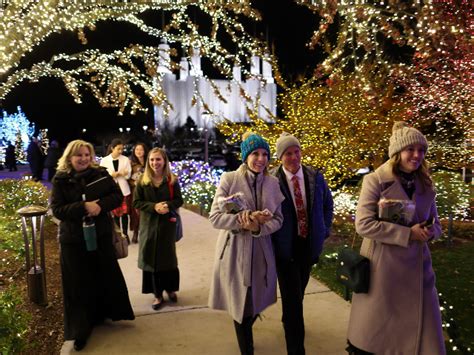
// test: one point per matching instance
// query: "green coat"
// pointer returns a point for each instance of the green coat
(157, 234)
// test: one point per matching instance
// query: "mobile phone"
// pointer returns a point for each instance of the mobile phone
(429, 222)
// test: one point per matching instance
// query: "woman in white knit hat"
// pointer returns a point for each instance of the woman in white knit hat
(400, 314)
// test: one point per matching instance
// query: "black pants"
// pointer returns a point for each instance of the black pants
(293, 277)
(244, 334)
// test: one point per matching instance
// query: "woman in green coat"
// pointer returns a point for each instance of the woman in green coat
(157, 195)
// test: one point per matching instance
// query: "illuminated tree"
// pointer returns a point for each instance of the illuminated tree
(16, 129)
(119, 78)
(340, 130)
(44, 140)
(438, 86)
(419, 53)
(19, 147)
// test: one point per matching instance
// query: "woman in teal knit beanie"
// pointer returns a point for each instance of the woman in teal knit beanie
(250, 142)
(244, 278)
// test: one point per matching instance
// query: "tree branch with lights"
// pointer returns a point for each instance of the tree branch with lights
(116, 79)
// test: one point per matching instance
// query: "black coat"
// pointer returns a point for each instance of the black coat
(93, 284)
(157, 234)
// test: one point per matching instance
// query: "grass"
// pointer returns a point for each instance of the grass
(453, 266)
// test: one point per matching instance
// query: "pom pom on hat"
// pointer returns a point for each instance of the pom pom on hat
(250, 142)
(402, 136)
(285, 141)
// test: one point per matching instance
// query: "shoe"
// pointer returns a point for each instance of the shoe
(128, 239)
(79, 344)
(135, 237)
(173, 297)
(157, 306)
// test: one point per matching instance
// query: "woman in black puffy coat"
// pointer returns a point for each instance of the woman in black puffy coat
(93, 284)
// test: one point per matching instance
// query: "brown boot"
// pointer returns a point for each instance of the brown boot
(135, 237)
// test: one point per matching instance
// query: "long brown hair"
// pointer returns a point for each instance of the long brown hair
(423, 171)
(147, 177)
(134, 158)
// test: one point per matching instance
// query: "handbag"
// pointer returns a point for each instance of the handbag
(175, 214)
(120, 242)
(353, 271)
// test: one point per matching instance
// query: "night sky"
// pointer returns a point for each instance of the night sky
(48, 104)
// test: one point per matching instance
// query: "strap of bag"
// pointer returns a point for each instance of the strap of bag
(171, 188)
(353, 240)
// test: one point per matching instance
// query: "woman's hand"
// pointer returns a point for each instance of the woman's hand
(421, 233)
(161, 208)
(115, 174)
(92, 207)
(262, 216)
(247, 221)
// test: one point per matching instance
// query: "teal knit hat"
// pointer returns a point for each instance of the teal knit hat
(250, 142)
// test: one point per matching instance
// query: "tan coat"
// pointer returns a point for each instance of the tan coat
(400, 314)
(242, 259)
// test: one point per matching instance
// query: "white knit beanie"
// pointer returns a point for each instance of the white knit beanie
(404, 135)
(285, 141)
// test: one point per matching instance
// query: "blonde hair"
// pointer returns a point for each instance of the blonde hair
(423, 171)
(147, 177)
(64, 163)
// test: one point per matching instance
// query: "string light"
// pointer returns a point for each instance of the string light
(340, 129)
(433, 74)
(115, 79)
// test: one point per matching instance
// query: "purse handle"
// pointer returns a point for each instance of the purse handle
(171, 188)
(353, 240)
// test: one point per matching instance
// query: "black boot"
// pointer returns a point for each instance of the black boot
(245, 335)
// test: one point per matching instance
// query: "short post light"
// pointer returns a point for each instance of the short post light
(35, 260)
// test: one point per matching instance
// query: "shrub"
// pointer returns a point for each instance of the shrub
(13, 323)
(198, 182)
(201, 194)
(345, 201)
(452, 195)
(15, 194)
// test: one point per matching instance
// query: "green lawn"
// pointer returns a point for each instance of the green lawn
(454, 269)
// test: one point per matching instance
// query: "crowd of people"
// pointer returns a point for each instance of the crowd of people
(272, 225)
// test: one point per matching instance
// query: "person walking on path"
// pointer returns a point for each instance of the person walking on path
(400, 314)
(10, 158)
(244, 281)
(35, 158)
(93, 284)
(307, 220)
(52, 157)
(119, 168)
(158, 195)
(138, 161)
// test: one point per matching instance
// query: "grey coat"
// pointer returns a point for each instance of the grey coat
(400, 314)
(243, 259)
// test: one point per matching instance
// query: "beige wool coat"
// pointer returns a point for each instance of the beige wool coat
(242, 259)
(400, 314)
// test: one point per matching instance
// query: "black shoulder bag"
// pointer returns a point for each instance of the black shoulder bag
(353, 271)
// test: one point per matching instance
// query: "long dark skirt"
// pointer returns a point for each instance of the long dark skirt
(94, 289)
(157, 282)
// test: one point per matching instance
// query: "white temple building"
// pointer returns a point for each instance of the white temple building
(261, 88)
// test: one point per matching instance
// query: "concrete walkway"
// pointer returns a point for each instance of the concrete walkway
(191, 328)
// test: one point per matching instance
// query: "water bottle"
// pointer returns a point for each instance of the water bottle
(90, 236)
